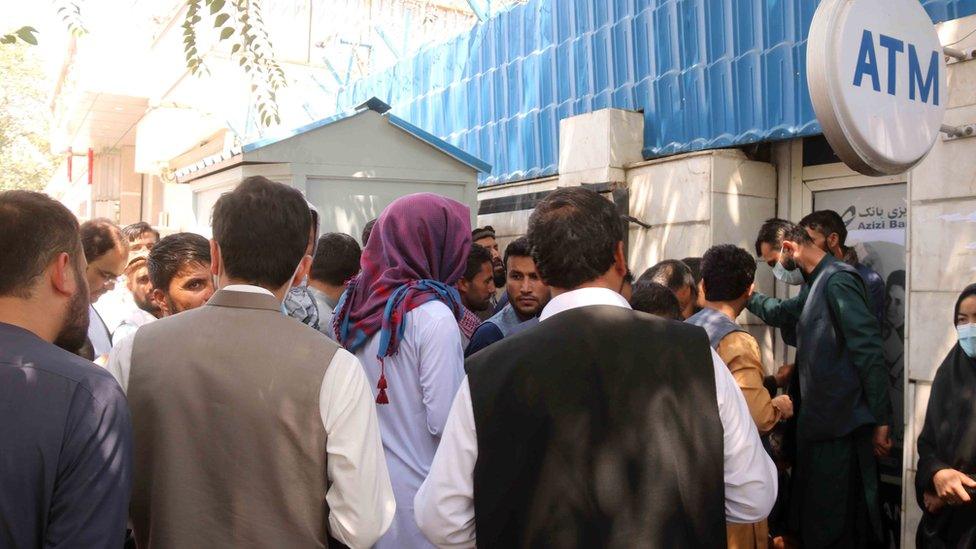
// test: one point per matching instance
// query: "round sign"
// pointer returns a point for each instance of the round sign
(877, 80)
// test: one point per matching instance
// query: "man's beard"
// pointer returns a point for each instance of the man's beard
(498, 274)
(147, 305)
(74, 330)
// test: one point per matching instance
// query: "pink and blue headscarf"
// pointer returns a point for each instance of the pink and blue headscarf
(416, 253)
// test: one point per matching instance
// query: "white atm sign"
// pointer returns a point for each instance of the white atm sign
(877, 80)
(921, 87)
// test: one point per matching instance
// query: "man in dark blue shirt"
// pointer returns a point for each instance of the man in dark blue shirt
(65, 435)
(527, 295)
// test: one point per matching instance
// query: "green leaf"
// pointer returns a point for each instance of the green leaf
(221, 19)
(226, 33)
(27, 35)
(8, 39)
(235, 49)
(216, 6)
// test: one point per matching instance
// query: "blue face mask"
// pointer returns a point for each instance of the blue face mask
(793, 278)
(967, 339)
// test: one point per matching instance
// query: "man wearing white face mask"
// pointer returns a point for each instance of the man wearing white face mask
(253, 429)
(845, 410)
(782, 314)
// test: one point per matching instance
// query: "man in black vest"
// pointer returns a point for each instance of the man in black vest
(601, 426)
(845, 410)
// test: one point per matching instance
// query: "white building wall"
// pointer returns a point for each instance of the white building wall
(941, 251)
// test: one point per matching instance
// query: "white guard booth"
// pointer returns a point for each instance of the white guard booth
(350, 167)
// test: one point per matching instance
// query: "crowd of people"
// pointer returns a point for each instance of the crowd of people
(271, 387)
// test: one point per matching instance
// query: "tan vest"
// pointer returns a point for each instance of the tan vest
(229, 441)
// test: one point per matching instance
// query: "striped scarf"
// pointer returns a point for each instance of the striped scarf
(416, 252)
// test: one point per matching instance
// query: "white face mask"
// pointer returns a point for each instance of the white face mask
(967, 338)
(793, 278)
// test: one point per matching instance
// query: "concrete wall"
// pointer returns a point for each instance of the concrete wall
(691, 201)
(941, 250)
(698, 200)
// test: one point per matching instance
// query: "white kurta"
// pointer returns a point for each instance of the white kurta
(423, 378)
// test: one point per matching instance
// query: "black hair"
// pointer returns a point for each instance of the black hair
(477, 257)
(367, 230)
(772, 232)
(34, 229)
(262, 229)
(672, 274)
(798, 233)
(655, 299)
(336, 259)
(574, 233)
(727, 271)
(135, 230)
(694, 263)
(172, 254)
(519, 247)
(483, 232)
(827, 222)
(968, 291)
(100, 236)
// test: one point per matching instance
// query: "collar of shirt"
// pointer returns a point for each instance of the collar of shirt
(820, 267)
(247, 288)
(582, 297)
(318, 294)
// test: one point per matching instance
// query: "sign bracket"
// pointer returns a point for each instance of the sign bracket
(952, 133)
(958, 55)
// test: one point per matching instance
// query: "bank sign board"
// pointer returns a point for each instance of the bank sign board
(877, 80)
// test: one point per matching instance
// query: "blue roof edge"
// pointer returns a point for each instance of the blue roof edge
(439, 143)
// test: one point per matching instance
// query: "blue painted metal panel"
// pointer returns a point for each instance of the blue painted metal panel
(706, 73)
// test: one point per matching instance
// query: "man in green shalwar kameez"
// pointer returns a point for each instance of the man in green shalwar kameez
(845, 411)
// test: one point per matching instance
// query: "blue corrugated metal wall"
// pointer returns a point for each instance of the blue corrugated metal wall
(707, 73)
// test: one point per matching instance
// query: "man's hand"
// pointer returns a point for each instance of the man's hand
(933, 503)
(784, 404)
(784, 374)
(882, 441)
(950, 486)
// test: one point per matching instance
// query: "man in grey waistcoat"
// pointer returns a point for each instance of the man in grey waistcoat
(251, 428)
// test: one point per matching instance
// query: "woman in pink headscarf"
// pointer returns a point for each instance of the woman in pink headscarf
(399, 316)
